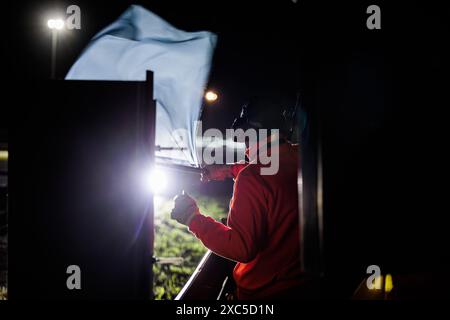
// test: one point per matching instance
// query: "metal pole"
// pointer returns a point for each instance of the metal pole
(54, 44)
(179, 167)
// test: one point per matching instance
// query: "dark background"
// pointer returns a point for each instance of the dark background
(380, 95)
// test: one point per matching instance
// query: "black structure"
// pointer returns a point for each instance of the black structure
(79, 150)
(3, 215)
(372, 153)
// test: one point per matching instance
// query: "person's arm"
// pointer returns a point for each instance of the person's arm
(219, 172)
(244, 235)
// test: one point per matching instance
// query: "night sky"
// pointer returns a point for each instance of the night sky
(263, 46)
(257, 49)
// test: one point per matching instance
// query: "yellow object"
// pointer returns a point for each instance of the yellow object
(3, 155)
(388, 284)
(378, 283)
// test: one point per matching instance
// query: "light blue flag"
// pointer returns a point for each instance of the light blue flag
(138, 41)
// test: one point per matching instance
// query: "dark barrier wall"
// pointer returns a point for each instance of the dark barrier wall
(78, 150)
(375, 99)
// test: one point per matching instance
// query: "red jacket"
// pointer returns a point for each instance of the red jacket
(263, 228)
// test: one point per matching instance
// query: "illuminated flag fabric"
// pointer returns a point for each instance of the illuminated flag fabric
(139, 41)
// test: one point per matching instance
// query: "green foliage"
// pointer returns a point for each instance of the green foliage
(174, 240)
(3, 293)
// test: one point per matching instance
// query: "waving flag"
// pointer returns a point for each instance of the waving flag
(139, 41)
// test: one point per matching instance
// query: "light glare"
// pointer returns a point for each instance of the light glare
(155, 181)
(211, 96)
(57, 24)
(3, 155)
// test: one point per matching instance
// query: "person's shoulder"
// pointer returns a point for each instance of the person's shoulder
(294, 146)
(250, 172)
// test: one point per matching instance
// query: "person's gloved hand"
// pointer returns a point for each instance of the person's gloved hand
(217, 172)
(185, 209)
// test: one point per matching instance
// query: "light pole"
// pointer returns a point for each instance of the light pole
(55, 26)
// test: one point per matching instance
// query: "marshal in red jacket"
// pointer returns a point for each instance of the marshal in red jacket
(262, 234)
